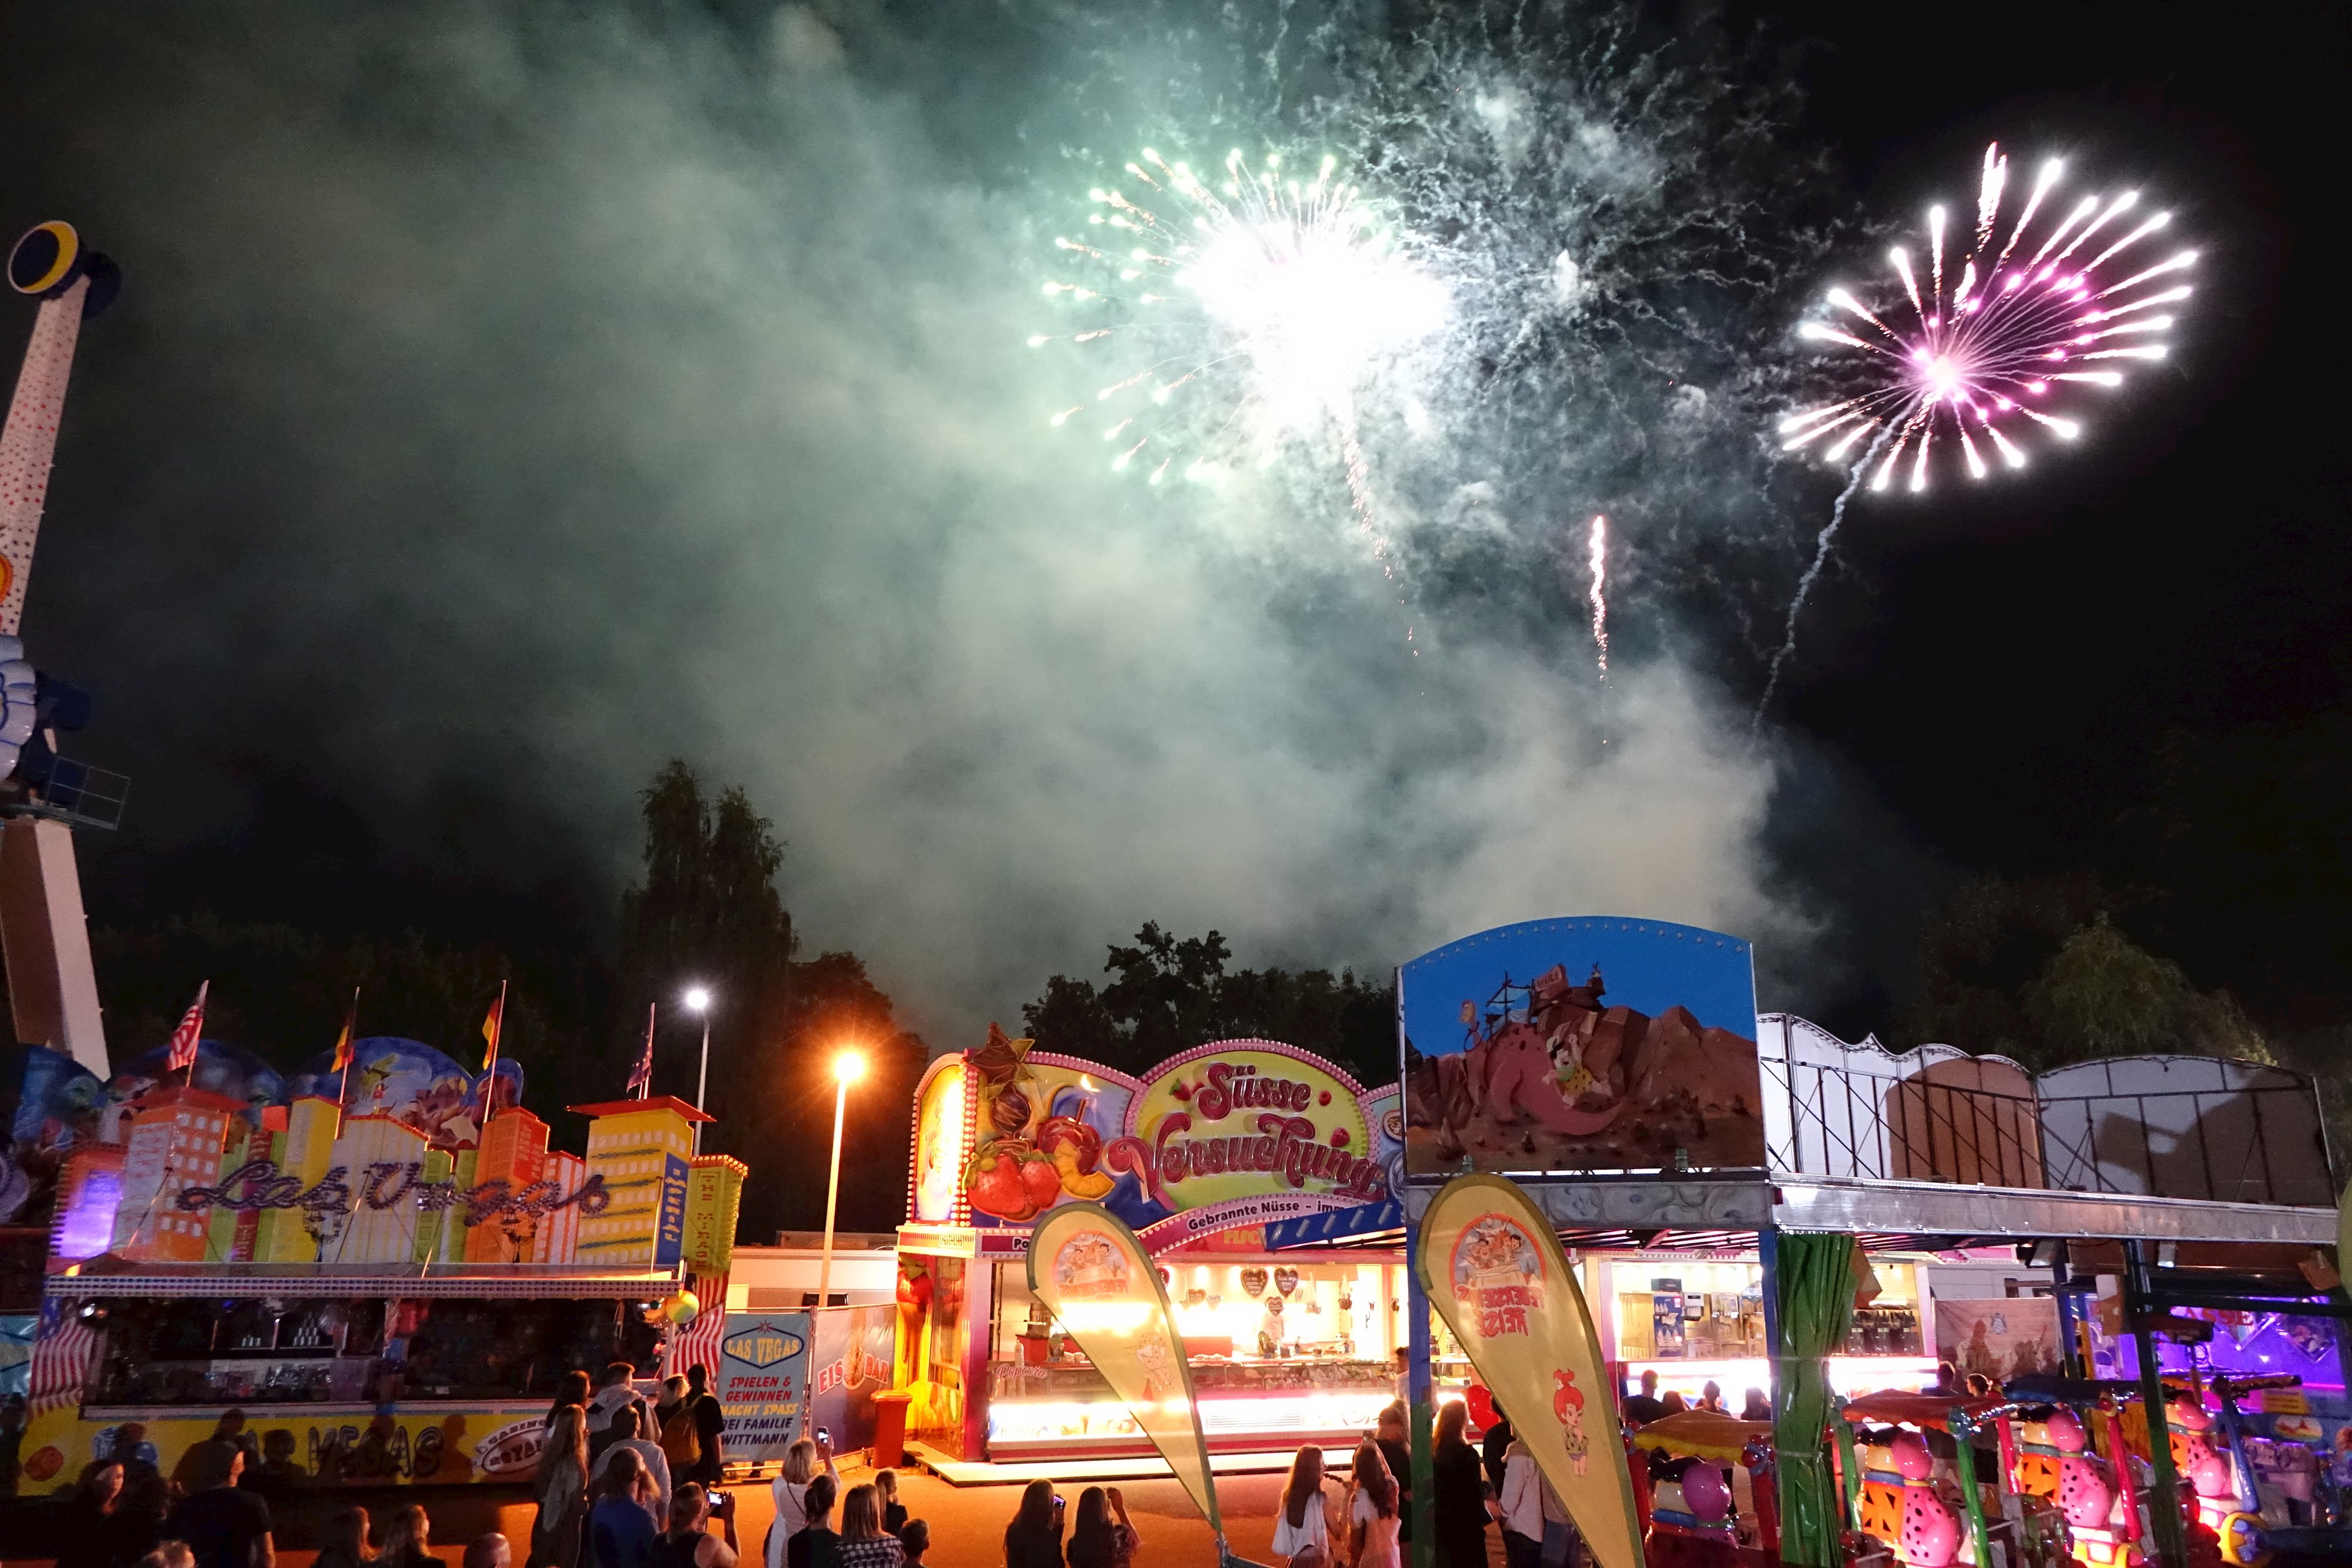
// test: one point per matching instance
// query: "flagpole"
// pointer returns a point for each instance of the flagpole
(351, 1028)
(490, 1067)
(645, 1062)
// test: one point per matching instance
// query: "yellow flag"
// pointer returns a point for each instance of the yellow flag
(1493, 1266)
(1101, 1286)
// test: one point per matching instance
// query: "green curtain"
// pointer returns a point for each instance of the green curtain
(1815, 1290)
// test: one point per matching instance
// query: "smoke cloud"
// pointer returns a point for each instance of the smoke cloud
(507, 398)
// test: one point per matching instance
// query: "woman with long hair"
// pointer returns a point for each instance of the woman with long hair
(563, 1489)
(687, 1543)
(885, 1491)
(1374, 1518)
(344, 1542)
(1101, 1536)
(1460, 1492)
(92, 1532)
(1302, 1528)
(804, 1462)
(1034, 1539)
(621, 1525)
(572, 1390)
(863, 1543)
(407, 1540)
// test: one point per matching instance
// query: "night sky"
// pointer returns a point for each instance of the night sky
(506, 398)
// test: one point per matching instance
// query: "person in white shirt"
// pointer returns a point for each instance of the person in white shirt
(1519, 1509)
(625, 1428)
(804, 1462)
(1302, 1524)
(610, 1399)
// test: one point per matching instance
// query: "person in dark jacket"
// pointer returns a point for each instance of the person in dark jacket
(815, 1545)
(96, 1529)
(1461, 1492)
(1034, 1539)
(1493, 1445)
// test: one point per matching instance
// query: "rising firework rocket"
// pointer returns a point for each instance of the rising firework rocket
(2008, 320)
(1597, 546)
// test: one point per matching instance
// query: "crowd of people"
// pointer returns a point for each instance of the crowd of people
(623, 1482)
(875, 1530)
(1356, 1517)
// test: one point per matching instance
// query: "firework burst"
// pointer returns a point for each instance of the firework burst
(2009, 320)
(1237, 314)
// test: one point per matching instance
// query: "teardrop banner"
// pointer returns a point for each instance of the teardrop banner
(1493, 1266)
(1104, 1291)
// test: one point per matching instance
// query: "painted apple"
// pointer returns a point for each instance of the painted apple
(1055, 1133)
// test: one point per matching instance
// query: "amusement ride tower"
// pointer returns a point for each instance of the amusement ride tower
(52, 989)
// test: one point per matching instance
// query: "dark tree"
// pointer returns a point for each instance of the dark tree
(2042, 970)
(1172, 994)
(709, 912)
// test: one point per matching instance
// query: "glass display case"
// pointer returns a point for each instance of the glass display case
(1281, 1353)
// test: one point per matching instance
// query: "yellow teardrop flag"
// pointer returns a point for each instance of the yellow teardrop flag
(1102, 1287)
(1493, 1266)
(2343, 1232)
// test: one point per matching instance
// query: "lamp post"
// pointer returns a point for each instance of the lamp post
(848, 1069)
(697, 1000)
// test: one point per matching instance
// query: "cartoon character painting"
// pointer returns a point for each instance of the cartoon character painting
(1089, 1265)
(1567, 1403)
(1648, 1062)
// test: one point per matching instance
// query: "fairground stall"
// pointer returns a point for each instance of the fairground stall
(1217, 1158)
(385, 1282)
(1728, 1182)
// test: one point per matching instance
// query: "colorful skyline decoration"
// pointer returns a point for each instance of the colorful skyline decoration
(200, 1179)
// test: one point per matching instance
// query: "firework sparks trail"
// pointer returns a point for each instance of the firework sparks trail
(1821, 558)
(1982, 359)
(1598, 547)
(1243, 313)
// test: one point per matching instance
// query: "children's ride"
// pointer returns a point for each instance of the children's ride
(1690, 1515)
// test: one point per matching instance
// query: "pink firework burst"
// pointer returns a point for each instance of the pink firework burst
(2011, 323)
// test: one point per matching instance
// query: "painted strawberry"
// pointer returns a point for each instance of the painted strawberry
(1338, 1138)
(1040, 1180)
(995, 1185)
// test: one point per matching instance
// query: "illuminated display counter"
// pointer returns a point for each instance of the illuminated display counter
(1327, 1323)
(1208, 1158)
(1042, 1411)
(1700, 1320)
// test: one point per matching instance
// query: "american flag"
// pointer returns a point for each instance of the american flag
(641, 1077)
(183, 1039)
(61, 1351)
(696, 1344)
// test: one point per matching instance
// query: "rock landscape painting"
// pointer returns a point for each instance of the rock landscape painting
(1591, 1044)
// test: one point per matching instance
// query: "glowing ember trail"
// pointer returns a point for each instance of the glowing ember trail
(2006, 331)
(1599, 549)
(1242, 314)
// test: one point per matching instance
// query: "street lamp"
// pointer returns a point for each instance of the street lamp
(697, 1000)
(848, 1069)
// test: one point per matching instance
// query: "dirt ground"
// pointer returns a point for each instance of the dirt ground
(967, 1523)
